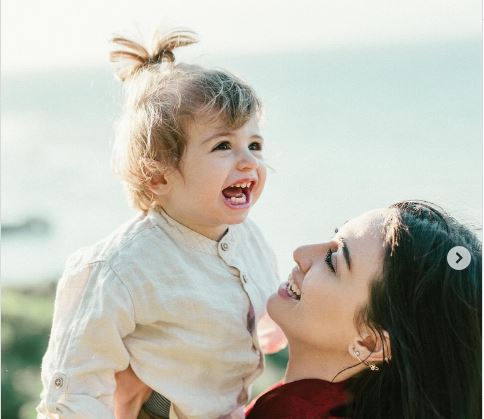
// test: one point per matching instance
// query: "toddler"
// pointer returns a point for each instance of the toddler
(176, 293)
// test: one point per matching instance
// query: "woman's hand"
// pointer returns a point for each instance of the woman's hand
(130, 394)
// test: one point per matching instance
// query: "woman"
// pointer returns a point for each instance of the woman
(379, 324)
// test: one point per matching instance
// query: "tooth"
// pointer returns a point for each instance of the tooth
(237, 185)
(291, 292)
(244, 185)
(233, 199)
(294, 288)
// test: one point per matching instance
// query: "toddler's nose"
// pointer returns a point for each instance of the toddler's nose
(247, 161)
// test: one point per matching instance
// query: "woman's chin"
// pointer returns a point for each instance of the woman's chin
(272, 306)
(277, 307)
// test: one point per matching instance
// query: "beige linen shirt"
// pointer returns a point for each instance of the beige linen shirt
(177, 306)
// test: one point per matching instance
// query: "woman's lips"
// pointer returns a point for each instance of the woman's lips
(284, 293)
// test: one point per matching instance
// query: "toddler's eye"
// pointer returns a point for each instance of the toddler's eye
(255, 146)
(225, 145)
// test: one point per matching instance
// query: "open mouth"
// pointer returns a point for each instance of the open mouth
(293, 290)
(238, 195)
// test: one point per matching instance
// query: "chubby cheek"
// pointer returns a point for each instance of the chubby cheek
(206, 187)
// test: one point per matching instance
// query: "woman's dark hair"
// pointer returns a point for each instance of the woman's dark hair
(432, 313)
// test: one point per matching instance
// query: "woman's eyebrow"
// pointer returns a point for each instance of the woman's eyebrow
(346, 252)
(337, 229)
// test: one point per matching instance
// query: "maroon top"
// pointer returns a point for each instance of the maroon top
(308, 398)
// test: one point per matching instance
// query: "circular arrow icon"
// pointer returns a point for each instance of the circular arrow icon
(458, 258)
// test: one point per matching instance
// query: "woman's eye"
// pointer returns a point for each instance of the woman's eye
(255, 146)
(329, 260)
(222, 146)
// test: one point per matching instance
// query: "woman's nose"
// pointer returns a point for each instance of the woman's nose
(301, 257)
(305, 256)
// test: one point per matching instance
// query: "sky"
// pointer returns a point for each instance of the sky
(38, 35)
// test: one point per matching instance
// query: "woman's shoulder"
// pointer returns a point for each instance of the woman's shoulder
(313, 398)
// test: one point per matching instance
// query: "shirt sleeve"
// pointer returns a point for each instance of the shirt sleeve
(93, 313)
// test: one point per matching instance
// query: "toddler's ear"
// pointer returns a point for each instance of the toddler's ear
(159, 185)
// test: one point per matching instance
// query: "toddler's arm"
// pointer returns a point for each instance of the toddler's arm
(130, 394)
(93, 313)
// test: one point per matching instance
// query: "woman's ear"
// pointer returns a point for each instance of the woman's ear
(371, 348)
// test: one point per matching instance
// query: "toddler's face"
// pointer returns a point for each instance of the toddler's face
(221, 175)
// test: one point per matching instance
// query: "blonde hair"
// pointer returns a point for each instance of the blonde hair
(161, 99)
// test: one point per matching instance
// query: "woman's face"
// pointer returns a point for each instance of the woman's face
(333, 281)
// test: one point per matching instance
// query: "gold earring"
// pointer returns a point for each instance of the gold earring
(373, 367)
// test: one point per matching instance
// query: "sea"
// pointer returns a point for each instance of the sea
(346, 130)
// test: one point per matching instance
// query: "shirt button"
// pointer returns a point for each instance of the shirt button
(224, 246)
(59, 382)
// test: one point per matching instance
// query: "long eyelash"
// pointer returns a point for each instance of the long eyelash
(328, 260)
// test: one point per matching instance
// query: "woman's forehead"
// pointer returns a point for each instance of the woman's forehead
(364, 237)
(369, 223)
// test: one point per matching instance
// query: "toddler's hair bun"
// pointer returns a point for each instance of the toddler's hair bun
(135, 57)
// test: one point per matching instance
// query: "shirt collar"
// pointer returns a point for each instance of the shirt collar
(190, 238)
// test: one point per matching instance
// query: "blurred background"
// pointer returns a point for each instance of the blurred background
(366, 103)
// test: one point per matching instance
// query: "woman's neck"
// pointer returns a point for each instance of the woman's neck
(307, 362)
